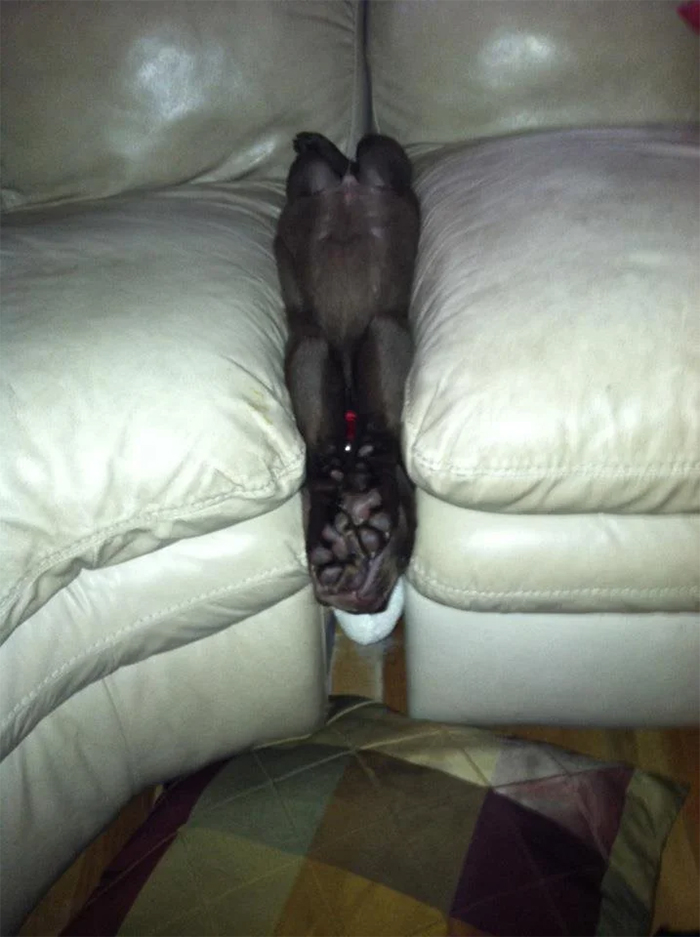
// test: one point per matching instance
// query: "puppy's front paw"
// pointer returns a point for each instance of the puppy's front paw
(307, 140)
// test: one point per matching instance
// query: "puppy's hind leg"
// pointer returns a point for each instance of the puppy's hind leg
(367, 542)
(316, 385)
(382, 163)
(319, 166)
(378, 495)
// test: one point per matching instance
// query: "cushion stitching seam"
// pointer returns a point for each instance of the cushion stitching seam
(603, 469)
(423, 576)
(46, 560)
(112, 639)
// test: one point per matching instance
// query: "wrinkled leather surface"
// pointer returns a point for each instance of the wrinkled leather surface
(125, 613)
(101, 97)
(556, 319)
(255, 680)
(143, 398)
(556, 562)
(558, 668)
(444, 72)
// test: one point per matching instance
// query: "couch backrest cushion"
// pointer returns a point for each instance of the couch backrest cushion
(447, 71)
(555, 317)
(107, 96)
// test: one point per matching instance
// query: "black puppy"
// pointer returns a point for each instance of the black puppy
(345, 247)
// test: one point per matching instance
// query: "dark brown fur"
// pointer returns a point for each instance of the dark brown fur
(346, 245)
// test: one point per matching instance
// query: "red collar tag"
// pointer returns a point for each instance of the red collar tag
(350, 421)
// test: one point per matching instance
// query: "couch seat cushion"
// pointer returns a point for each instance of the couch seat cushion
(556, 319)
(166, 601)
(504, 562)
(143, 392)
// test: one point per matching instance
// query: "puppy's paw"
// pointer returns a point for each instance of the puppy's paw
(358, 552)
(307, 140)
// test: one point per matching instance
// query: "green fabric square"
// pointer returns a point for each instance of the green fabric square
(221, 862)
(306, 795)
(257, 815)
(172, 889)
(237, 776)
(404, 826)
(255, 908)
(282, 760)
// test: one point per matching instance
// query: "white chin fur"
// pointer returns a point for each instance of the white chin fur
(368, 629)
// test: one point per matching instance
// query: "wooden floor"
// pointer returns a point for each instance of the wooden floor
(671, 752)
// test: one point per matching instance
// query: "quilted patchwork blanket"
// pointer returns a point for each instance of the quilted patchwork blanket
(379, 824)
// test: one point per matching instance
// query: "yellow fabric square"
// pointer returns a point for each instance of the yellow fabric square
(359, 907)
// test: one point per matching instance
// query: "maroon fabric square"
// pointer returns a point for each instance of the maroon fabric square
(514, 857)
(589, 803)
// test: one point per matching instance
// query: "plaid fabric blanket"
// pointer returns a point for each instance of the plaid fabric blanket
(378, 824)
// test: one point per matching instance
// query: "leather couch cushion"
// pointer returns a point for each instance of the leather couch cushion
(261, 678)
(556, 319)
(554, 668)
(102, 96)
(120, 615)
(143, 393)
(444, 72)
(554, 563)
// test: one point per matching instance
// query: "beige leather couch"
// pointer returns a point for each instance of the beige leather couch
(552, 424)
(156, 610)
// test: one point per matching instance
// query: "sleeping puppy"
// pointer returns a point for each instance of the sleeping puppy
(345, 248)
